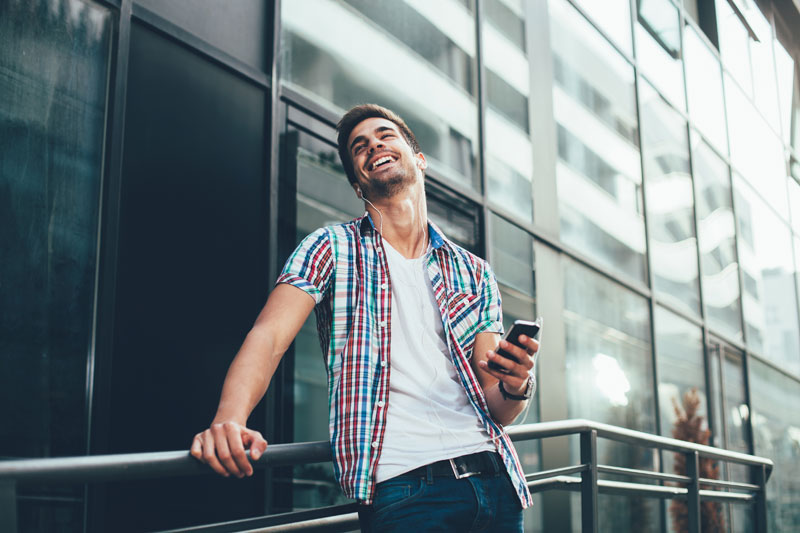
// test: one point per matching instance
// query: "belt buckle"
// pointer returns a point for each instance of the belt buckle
(459, 475)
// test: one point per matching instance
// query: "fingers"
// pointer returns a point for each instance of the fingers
(209, 455)
(222, 447)
(237, 464)
(257, 444)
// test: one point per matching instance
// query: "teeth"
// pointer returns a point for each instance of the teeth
(381, 161)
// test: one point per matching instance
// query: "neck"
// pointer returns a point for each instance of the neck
(402, 220)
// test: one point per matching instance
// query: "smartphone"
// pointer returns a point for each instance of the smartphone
(520, 327)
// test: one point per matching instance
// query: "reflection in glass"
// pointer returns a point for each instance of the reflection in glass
(323, 198)
(512, 256)
(770, 307)
(756, 151)
(509, 154)
(613, 17)
(785, 70)
(239, 28)
(776, 434)
(681, 370)
(734, 46)
(609, 373)
(417, 58)
(736, 411)
(764, 81)
(598, 171)
(54, 64)
(670, 201)
(794, 204)
(717, 240)
(658, 48)
(704, 89)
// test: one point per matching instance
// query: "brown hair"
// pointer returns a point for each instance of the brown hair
(354, 117)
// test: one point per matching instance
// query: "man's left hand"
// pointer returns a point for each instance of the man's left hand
(515, 379)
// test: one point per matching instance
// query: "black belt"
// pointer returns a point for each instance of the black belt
(460, 467)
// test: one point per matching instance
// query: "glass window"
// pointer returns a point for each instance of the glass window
(682, 398)
(776, 434)
(770, 308)
(415, 57)
(764, 80)
(512, 258)
(737, 413)
(785, 67)
(717, 240)
(54, 67)
(794, 203)
(512, 261)
(704, 89)
(756, 151)
(613, 17)
(509, 154)
(681, 370)
(670, 201)
(241, 28)
(734, 45)
(599, 168)
(323, 198)
(609, 373)
(658, 48)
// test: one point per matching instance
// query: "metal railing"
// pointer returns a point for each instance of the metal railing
(582, 477)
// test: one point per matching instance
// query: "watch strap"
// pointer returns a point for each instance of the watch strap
(525, 396)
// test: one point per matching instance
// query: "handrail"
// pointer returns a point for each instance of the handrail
(123, 467)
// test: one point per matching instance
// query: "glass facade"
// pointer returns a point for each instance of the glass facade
(659, 141)
(54, 67)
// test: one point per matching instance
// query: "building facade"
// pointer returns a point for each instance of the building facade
(631, 169)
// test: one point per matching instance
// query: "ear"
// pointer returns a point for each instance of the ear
(421, 163)
(357, 189)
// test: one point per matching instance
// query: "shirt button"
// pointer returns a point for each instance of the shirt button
(375, 444)
(384, 286)
(382, 323)
(383, 362)
(381, 403)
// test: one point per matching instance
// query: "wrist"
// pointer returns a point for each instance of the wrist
(522, 394)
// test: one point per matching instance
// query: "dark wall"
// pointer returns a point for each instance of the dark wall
(192, 273)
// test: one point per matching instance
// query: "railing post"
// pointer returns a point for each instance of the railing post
(760, 479)
(589, 482)
(8, 506)
(693, 488)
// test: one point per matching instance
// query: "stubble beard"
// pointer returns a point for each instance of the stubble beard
(392, 185)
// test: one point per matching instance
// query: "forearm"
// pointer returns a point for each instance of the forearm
(504, 411)
(248, 377)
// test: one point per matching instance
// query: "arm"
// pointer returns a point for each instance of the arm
(222, 445)
(502, 410)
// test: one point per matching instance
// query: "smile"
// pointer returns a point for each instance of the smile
(382, 161)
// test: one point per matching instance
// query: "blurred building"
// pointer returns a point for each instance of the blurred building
(630, 168)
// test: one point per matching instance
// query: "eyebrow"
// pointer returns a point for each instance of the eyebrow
(379, 129)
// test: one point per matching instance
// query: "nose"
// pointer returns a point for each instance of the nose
(374, 145)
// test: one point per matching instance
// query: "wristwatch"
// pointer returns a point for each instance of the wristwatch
(530, 387)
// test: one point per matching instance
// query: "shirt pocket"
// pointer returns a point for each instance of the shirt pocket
(463, 313)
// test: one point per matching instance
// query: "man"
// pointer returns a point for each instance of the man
(408, 323)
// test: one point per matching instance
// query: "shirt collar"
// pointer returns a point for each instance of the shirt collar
(437, 237)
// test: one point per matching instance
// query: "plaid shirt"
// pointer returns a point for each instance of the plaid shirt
(344, 269)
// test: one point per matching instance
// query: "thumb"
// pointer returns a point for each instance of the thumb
(258, 444)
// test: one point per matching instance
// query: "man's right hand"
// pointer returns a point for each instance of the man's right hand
(222, 447)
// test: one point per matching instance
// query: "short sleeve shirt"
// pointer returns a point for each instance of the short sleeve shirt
(344, 269)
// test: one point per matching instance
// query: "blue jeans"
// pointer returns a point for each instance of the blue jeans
(417, 504)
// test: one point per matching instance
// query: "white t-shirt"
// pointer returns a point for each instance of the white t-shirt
(429, 415)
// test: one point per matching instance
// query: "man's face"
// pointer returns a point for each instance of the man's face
(383, 162)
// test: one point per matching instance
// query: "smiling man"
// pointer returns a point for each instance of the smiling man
(408, 322)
